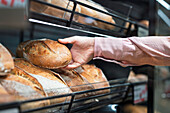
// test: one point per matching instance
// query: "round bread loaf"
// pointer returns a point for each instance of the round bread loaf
(96, 77)
(6, 61)
(47, 53)
(96, 14)
(19, 50)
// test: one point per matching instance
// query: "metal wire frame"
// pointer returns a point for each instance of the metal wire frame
(75, 26)
(118, 88)
(88, 6)
(67, 23)
(70, 22)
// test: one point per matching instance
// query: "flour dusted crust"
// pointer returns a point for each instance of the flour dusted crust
(96, 14)
(95, 76)
(5, 97)
(47, 53)
(19, 50)
(75, 82)
(52, 84)
(3, 91)
(22, 89)
(22, 74)
(6, 61)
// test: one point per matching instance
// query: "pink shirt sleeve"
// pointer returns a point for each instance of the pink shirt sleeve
(134, 51)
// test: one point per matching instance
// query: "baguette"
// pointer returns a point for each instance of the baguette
(47, 53)
(6, 61)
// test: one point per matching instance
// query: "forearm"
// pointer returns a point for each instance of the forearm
(134, 50)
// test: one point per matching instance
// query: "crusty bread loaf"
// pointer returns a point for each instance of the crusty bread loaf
(19, 50)
(5, 97)
(75, 82)
(56, 12)
(51, 82)
(3, 91)
(6, 61)
(96, 14)
(22, 74)
(38, 7)
(47, 53)
(22, 89)
(95, 76)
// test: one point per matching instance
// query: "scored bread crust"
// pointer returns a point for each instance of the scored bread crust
(96, 77)
(3, 91)
(5, 96)
(76, 82)
(22, 74)
(51, 82)
(22, 89)
(30, 68)
(95, 14)
(6, 61)
(47, 53)
(19, 50)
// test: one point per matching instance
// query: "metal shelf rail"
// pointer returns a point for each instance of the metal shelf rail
(119, 92)
(121, 32)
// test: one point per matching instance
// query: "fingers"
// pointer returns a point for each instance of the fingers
(70, 40)
(73, 66)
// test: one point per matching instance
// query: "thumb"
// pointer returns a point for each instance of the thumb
(67, 40)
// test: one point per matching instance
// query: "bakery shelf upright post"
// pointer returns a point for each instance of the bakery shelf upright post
(152, 32)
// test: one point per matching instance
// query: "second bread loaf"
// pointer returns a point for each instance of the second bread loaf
(51, 82)
(22, 89)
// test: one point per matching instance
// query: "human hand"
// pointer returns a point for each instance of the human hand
(82, 50)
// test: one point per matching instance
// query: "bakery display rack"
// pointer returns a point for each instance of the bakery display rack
(119, 31)
(43, 25)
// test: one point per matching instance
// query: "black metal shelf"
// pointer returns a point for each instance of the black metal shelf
(120, 91)
(119, 31)
(75, 26)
